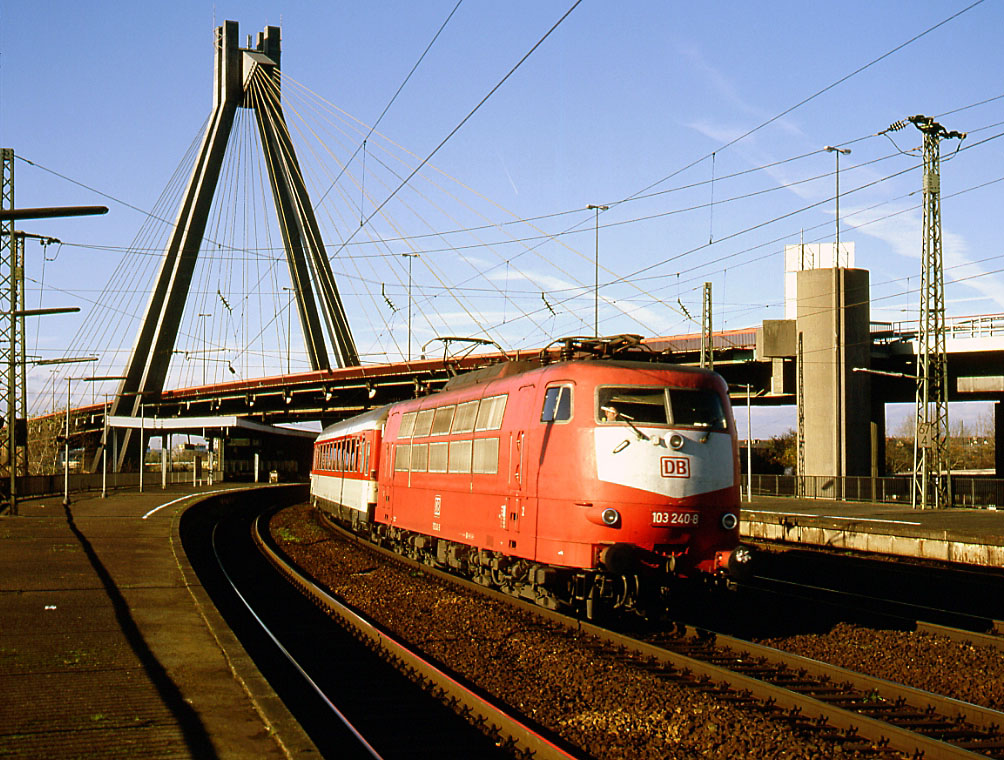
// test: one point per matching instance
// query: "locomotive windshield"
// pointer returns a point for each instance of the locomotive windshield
(689, 407)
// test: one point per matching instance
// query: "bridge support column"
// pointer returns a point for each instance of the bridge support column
(877, 431)
(840, 422)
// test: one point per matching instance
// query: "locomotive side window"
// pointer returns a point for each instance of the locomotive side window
(486, 456)
(699, 408)
(460, 456)
(423, 422)
(442, 420)
(438, 456)
(491, 412)
(419, 457)
(645, 404)
(557, 404)
(463, 422)
(402, 457)
(407, 425)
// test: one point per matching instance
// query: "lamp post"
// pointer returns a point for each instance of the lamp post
(596, 261)
(749, 447)
(66, 449)
(749, 439)
(142, 431)
(409, 256)
(838, 152)
(104, 432)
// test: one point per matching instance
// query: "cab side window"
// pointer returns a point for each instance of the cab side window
(557, 404)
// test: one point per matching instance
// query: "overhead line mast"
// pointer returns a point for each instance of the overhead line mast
(932, 486)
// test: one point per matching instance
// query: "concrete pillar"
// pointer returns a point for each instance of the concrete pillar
(834, 316)
(877, 425)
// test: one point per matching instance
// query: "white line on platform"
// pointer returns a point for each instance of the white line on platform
(832, 517)
(181, 498)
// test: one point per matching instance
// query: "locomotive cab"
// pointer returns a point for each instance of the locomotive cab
(651, 492)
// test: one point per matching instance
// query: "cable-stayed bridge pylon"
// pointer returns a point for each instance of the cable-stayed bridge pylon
(244, 78)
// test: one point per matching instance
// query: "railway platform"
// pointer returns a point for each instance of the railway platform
(110, 646)
(960, 536)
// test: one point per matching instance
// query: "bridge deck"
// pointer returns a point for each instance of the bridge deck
(109, 645)
(962, 536)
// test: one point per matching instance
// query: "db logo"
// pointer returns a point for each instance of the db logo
(675, 467)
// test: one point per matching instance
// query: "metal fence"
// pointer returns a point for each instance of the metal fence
(967, 490)
(30, 486)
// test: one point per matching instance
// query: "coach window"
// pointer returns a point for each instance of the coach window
(438, 456)
(460, 456)
(423, 422)
(491, 412)
(419, 457)
(442, 420)
(486, 456)
(407, 425)
(557, 404)
(463, 421)
(402, 457)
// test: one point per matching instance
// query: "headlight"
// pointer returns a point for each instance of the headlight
(729, 521)
(741, 555)
(676, 441)
(610, 516)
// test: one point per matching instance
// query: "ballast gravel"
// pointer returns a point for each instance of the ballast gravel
(923, 660)
(610, 709)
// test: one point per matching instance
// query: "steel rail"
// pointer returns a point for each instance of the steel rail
(846, 599)
(919, 699)
(854, 723)
(907, 611)
(519, 734)
(292, 660)
(961, 635)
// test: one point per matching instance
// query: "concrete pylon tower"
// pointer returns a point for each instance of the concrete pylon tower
(244, 78)
(833, 320)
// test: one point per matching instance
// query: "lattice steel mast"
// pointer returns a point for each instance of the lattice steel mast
(931, 469)
(8, 328)
(707, 346)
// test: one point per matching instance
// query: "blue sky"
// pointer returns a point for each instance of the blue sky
(615, 102)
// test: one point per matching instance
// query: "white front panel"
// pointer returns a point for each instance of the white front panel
(654, 466)
(350, 492)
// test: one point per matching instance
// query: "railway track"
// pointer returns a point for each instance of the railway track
(351, 702)
(505, 728)
(859, 712)
(892, 588)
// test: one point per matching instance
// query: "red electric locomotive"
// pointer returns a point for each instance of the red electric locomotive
(579, 484)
